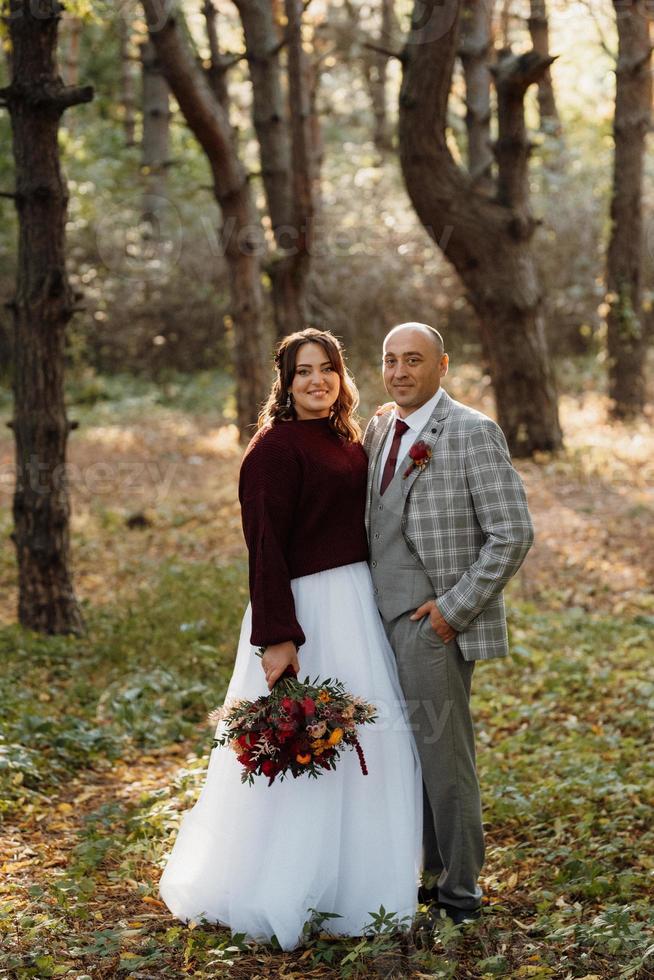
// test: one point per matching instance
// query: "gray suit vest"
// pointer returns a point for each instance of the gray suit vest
(401, 583)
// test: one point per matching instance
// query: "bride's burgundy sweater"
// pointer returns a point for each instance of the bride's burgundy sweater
(302, 490)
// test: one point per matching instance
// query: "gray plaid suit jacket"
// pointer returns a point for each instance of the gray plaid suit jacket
(465, 520)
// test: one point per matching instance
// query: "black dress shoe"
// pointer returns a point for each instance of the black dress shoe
(427, 896)
(457, 915)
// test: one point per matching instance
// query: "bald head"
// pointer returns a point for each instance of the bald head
(430, 332)
(414, 363)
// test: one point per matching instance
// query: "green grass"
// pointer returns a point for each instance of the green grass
(563, 735)
(97, 398)
(127, 396)
(144, 675)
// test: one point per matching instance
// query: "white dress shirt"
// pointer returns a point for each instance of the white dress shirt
(416, 421)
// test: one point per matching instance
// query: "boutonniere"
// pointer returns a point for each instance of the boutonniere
(420, 454)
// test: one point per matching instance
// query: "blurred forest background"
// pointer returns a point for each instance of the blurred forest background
(156, 295)
(166, 340)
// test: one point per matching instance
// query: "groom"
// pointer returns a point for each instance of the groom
(448, 527)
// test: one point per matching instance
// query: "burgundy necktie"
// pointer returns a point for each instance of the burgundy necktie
(391, 461)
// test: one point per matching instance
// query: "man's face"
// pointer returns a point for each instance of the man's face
(413, 368)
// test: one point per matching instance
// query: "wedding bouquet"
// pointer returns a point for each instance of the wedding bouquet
(300, 727)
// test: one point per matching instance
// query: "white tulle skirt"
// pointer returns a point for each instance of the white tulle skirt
(257, 858)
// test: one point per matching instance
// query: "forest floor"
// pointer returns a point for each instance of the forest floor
(104, 742)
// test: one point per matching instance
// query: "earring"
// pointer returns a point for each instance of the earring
(289, 400)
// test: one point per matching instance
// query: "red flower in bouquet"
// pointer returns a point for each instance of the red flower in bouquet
(308, 706)
(298, 728)
(285, 730)
(420, 454)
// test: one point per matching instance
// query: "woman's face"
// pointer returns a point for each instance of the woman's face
(316, 385)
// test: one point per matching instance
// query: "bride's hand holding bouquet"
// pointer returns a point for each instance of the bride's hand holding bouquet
(276, 658)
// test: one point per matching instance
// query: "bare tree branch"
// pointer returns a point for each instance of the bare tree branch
(55, 94)
(371, 46)
(606, 47)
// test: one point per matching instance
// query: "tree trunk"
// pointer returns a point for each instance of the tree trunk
(475, 50)
(217, 72)
(313, 74)
(487, 241)
(156, 132)
(269, 114)
(302, 157)
(127, 78)
(43, 305)
(241, 233)
(550, 121)
(376, 72)
(625, 330)
(513, 75)
(271, 124)
(374, 58)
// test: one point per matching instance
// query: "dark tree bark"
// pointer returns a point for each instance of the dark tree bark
(487, 241)
(269, 114)
(513, 75)
(43, 305)
(156, 132)
(241, 232)
(287, 268)
(625, 327)
(127, 78)
(550, 121)
(475, 52)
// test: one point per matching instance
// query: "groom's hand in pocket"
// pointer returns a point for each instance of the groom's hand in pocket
(436, 620)
(276, 659)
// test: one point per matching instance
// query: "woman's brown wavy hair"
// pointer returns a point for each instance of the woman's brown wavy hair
(341, 416)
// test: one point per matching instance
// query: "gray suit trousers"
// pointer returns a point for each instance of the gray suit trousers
(436, 680)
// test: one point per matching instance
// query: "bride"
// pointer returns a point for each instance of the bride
(260, 858)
